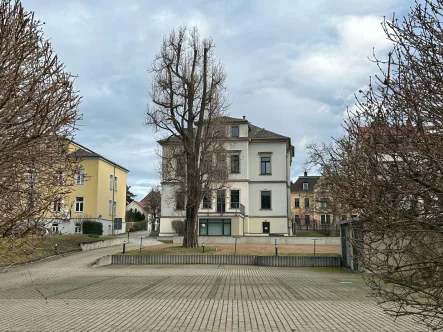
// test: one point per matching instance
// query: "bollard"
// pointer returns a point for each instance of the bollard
(276, 248)
(314, 239)
(128, 236)
(141, 242)
(235, 250)
(124, 247)
(203, 245)
(56, 248)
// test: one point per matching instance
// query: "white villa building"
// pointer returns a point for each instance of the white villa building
(257, 200)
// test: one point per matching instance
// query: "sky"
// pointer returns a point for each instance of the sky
(293, 66)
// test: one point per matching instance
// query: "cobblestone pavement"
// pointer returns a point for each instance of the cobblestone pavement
(80, 297)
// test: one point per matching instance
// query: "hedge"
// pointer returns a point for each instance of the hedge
(92, 227)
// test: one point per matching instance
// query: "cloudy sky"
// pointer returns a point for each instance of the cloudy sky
(293, 66)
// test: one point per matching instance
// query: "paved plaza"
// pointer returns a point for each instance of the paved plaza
(69, 294)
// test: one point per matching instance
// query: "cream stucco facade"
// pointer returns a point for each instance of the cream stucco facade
(257, 196)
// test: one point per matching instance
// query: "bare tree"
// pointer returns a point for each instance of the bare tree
(38, 113)
(187, 105)
(388, 169)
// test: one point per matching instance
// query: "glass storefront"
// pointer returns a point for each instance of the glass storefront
(215, 227)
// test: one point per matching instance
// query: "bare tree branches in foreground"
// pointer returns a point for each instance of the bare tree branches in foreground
(38, 112)
(187, 106)
(388, 166)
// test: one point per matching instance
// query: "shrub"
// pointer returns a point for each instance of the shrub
(92, 227)
(137, 226)
(178, 226)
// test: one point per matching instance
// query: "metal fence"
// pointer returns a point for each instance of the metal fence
(289, 261)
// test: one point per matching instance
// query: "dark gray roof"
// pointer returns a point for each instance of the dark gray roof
(83, 152)
(254, 131)
(297, 186)
(257, 132)
(231, 119)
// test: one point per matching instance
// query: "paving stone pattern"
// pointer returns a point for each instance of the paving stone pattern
(80, 297)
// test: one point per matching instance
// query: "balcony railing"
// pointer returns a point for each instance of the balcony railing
(234, 208)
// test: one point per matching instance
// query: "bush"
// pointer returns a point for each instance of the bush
(92, 227)
(137, 226)
(178, 226)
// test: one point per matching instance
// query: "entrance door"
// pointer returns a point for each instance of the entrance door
(266, 227)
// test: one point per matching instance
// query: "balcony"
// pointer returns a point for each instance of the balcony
(234, 209)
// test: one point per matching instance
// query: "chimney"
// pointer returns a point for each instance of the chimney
(244, 117)
(305, 173)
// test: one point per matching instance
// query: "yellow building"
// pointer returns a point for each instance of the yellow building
(99, 194)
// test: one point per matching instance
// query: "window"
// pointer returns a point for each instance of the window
(307, 220)
(265, 165)
(78, 228)
(111, 181)
(305, 185)
(235, 163)
(32, 176)
(235, 199)
(323, 202)
(325, 219)
(296, 202)
(181, 166)
(207, 163)
(80, 177)
(220, 227)
(54, 228)
(221, 173)
(58, 178)
(110, 207)
(207, 201)
(235, 131)
(58, 206)
(115, 183)
(114, 208)
(306, 202)
(265, 200)
(79, 204)
(180, 201)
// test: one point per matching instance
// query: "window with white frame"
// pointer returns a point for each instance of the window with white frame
(110, 207)
(325, 218)
(265, 165)
(266, 200)
(305, 185)
(235, 131)
(207, 201)
(58, 205)
(79, 204)
(58, 178)
(78, 228)
(32, 176)
(323, 202)
(235, 163)
(235, 199)
(114, 208)
(54, 228)
(111, 181)
(115, 183)
(80, 177)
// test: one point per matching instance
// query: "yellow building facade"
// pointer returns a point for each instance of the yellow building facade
(98, 194)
